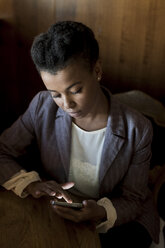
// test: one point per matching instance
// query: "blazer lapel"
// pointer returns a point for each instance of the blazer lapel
(114, 138)
(63, 134)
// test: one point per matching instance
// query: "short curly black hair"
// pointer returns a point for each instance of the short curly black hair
(63, 43)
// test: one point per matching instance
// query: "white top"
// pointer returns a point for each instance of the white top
(86, 150)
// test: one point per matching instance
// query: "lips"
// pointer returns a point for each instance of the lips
(74, 114)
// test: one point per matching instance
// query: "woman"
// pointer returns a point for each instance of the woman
(90, 144)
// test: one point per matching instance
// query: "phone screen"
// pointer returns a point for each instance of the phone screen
(66, 204)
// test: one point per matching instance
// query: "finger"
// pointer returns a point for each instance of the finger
(66, 197)
(89, 203)
(67, 185)
(59, 196)
(36, 194)
(58, 188)
(54, 189)
(60, 193)
(48, 191)
(85, 203)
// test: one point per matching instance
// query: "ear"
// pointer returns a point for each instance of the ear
(98, 70)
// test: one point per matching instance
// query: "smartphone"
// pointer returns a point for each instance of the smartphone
(66, 204)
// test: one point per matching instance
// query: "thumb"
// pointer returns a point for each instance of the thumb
(67, 185)
(85, 203)
(89, 203)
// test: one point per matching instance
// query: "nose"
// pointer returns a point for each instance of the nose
(68, 103)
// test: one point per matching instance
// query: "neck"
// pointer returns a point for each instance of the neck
(97, 119)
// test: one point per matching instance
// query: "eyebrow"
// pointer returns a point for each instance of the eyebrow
(67, 87)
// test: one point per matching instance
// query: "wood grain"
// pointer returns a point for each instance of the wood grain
(32, 223)
(131, 35)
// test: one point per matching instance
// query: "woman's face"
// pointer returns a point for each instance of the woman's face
(75, 89)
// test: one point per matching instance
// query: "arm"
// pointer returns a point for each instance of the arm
(24, 183)
(20, 181)
(134, 187)
(15, 140)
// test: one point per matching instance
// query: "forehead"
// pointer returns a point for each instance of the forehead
(75, 72)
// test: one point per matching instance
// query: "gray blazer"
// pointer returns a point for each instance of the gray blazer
(123, 175)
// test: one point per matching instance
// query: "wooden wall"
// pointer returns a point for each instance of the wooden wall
(131, 34)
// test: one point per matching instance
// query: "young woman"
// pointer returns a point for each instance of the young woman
(89, 143)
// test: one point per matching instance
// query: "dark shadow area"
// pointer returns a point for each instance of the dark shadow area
(19, 80)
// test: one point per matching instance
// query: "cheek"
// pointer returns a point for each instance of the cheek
(58, 102)
(86, 101)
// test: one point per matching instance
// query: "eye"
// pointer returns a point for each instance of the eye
(56, 96)
(77, 91)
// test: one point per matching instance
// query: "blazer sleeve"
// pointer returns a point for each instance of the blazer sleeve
(15, 140)
(134, 187)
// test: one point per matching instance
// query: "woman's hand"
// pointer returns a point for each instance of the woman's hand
(51, 188)
(91, 211)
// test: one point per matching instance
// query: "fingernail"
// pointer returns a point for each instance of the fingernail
(38, 192)
(84, 202)
(53, 193)
(52, 202)
(59, 197)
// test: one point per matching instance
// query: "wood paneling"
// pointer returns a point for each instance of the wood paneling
(131, 35)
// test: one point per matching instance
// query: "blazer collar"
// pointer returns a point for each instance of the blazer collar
(63, 134)
(114, 137)
(60, 112)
